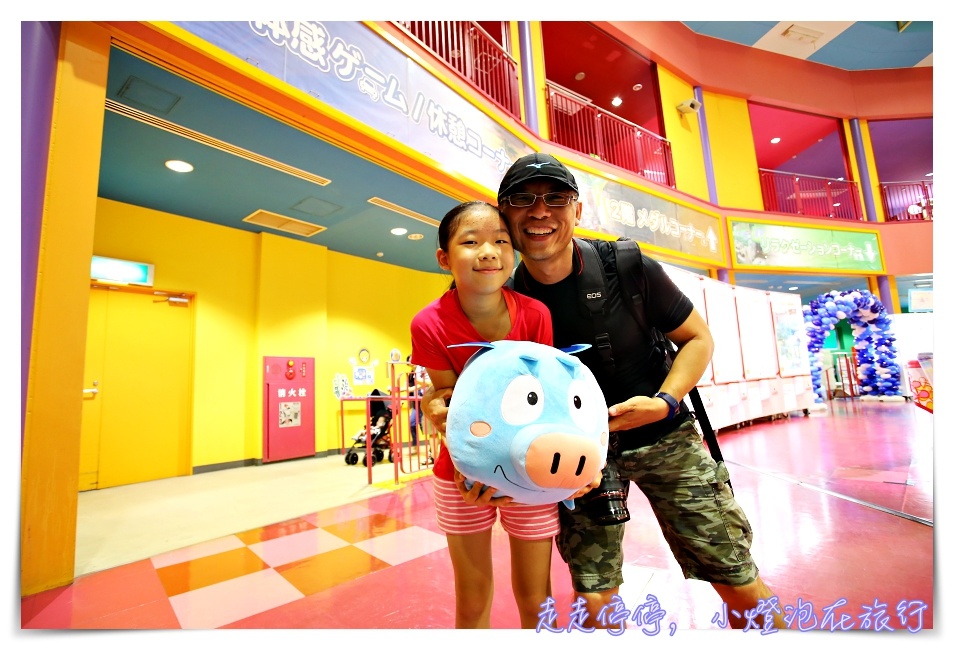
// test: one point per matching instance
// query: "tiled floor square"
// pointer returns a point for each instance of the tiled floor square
(205, 549)
(403, 545)
(366, 527)
(276, 530)
(209, 570)
(284, 550)
(330, 569)
(225, 602)
(347, 512)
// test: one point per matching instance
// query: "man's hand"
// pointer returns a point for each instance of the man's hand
(637, 411)
(434, 406)
(475, 497)
(586, 488)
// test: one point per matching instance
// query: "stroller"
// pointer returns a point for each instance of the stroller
(380, 434)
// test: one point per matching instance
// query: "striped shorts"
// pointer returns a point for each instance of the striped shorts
(455, 517)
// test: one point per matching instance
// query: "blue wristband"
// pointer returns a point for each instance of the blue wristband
(672, 402)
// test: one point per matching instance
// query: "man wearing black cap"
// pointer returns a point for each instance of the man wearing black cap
(654, 442)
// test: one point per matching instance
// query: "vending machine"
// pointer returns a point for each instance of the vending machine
(289, 408)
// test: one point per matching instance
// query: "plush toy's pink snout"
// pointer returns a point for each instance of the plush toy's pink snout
(563, 460)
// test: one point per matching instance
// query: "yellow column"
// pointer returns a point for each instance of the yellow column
(50, 460)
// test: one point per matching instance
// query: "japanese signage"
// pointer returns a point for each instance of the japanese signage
(758, 244)
(617, 209)
(351, 68)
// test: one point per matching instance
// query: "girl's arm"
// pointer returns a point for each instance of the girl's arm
(476, 495)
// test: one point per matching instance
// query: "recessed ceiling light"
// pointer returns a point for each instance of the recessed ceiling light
(775, 140)
(792, 288)
(415, 236)
(379, 254)
(579, 76)
(616, 101)
(179, 166)
(638, 87)
(398, 231)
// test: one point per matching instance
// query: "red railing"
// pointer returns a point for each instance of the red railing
(474, 54)
(908, 201)
(579, 125)
(810, 195)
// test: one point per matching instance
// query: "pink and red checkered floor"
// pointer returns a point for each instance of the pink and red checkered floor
(841, 504)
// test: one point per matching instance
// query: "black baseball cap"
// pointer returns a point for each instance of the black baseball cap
(535, 166)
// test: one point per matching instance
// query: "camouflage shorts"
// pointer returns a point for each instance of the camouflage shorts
(706, 529)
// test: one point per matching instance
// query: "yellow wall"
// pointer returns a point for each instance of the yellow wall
(265, 295)
(684, 136)
(732, 148)
(292, 319)
(372, 305)
(220, 266)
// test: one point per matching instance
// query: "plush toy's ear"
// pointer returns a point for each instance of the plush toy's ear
(474, 344)
(576, 347)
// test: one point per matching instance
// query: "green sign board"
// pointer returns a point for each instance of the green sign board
(757, 244)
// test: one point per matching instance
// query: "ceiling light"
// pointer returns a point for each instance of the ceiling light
(398, 231)
(793, 288)
(616, 101)
(638, 87)
(179, 166)
(415, 236)
(579, 76)
(379, 254)
(775, 140)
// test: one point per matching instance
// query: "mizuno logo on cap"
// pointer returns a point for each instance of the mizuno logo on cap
(538, 165)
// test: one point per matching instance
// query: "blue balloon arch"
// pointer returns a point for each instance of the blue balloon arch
(879, 375)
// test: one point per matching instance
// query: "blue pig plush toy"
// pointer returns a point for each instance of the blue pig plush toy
(529, 420)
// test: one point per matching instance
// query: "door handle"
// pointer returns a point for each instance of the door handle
(92, 391)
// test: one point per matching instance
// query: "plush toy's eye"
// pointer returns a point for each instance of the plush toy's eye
(586, 407)
(522, 400)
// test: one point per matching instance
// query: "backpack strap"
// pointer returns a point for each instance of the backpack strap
(591, 285)
(629, 262)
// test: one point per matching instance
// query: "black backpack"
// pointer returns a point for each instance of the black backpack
(592, 294)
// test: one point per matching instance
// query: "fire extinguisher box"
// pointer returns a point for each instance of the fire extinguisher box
(289, 408)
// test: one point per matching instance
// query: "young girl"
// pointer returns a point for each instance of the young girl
(474, 245)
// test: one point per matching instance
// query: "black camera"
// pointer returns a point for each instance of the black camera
(606, 504)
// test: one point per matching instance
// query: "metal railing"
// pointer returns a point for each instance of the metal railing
(810, 195)
(908, 201)
(474, 54)
(576, 123)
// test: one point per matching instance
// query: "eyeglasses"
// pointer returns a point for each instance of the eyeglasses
(552, 199)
